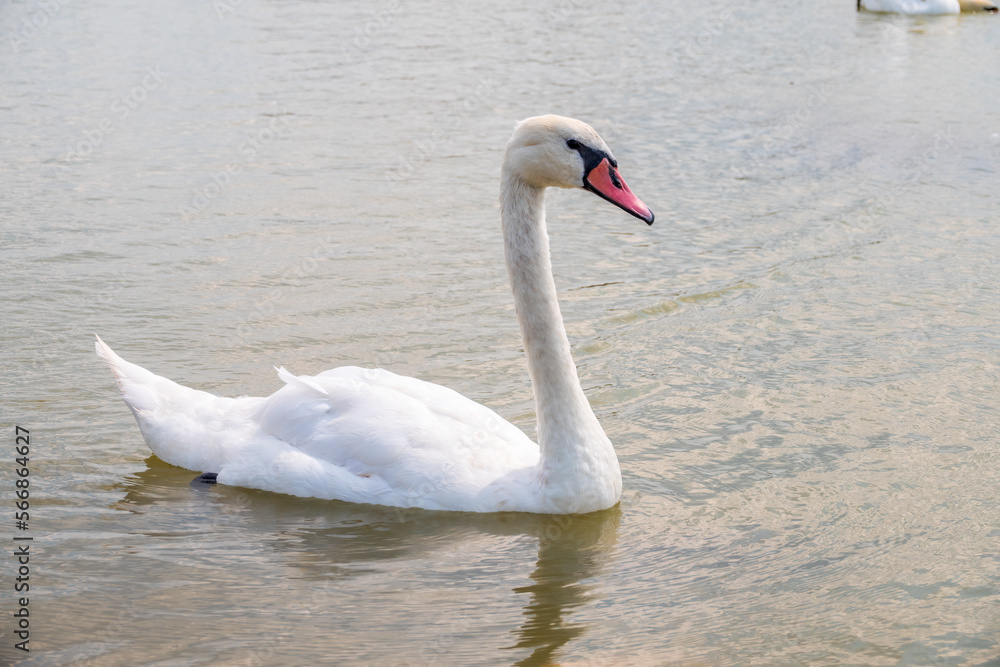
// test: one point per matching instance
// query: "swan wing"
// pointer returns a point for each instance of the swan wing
(350, 434)
(407, 441)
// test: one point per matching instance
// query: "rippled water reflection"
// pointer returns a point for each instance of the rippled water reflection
(798, 362)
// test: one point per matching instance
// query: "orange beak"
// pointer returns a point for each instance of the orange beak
(604, 181)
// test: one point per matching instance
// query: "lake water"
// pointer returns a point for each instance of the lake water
(798, 363)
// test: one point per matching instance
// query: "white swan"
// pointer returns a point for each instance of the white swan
(927, 6)
(370, 436)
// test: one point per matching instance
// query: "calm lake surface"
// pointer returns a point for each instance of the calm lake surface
(798, 363)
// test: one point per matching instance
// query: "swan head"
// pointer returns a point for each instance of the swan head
(560, 152)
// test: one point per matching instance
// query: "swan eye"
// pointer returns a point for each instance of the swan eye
(573, 144)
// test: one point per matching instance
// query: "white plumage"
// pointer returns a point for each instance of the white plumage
(927, 6)
(372, 436)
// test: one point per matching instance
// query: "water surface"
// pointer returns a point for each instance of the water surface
(798, 363)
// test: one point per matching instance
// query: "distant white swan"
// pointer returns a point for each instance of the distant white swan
(370, 436)
(927, 6)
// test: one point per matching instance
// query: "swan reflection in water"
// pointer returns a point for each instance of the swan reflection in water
(331, 542)
(571, 550)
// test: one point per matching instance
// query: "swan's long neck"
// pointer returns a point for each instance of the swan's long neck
(576, 455)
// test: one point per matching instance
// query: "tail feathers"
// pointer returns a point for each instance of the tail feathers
(185, 427)
(135, 382)
(147, 393)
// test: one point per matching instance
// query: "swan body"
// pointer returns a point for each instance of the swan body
(371, 436)
(927, 6)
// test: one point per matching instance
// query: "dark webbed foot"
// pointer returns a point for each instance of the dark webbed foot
(205, 478)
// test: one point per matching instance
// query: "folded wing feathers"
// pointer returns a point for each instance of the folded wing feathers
(288, 378)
